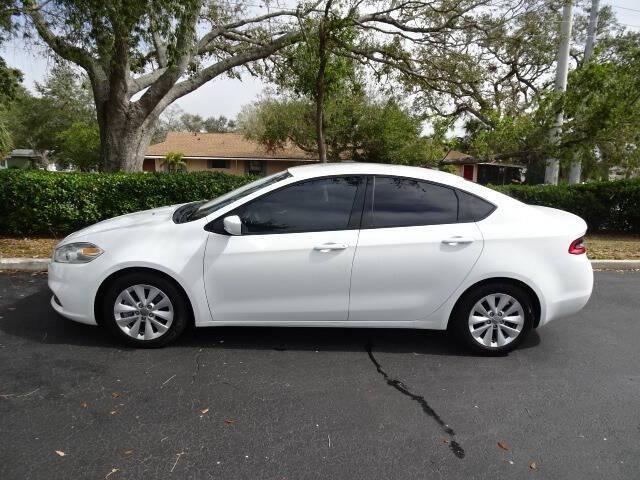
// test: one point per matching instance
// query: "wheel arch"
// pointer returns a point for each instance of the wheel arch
(537, 308)
(128, 270)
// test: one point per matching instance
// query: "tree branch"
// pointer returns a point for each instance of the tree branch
(189, 85)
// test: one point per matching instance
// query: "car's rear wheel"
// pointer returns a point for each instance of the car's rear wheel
(494, 318)
(144, 310)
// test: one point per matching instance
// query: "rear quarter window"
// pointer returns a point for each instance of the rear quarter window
(472, 208)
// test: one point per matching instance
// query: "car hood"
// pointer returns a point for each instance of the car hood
(137, 219)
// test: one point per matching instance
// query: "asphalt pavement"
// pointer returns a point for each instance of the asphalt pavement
(276, 403)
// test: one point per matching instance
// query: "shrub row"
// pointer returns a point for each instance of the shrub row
(35, 202)
(605, 206)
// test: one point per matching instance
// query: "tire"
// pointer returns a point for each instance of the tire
(139, 322)
(508, 323)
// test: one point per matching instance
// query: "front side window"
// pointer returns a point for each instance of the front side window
(322, 204)
(211, 206)
(404, 202)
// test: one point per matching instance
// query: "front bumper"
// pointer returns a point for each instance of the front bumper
(74, 290)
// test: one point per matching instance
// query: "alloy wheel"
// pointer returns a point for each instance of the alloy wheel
(496, 320)
(143, 312)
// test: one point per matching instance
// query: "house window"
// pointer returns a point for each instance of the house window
(217, 163)
(256, 167)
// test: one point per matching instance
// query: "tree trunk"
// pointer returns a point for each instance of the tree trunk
(124, 138)
(322, 146)
(320, 85)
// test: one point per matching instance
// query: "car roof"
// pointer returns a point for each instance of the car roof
(346, 168)
(437, 176)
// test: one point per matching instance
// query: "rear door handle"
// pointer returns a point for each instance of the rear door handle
(457, 240)
(327, 247)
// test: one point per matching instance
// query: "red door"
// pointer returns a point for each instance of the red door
(467, 172)
(149, 165)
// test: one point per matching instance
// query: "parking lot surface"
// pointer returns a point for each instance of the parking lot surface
(261, 403)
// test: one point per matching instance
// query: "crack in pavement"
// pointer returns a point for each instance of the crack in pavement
(196, 369)
(455, 447)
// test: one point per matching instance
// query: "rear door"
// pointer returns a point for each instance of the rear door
(412, 250)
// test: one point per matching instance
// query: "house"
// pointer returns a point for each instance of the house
(224, 152)
(483, 171)
(20, 158)
(29, 158)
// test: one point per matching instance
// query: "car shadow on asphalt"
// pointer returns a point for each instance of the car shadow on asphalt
(32, 318)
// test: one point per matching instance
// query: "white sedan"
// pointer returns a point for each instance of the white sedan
(340, 245)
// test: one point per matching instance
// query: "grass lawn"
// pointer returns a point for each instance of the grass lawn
(600, 246)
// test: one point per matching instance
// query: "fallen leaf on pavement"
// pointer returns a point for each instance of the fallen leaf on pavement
(503, 445)
(60, 453)
(128, 452)
(113, 412)
(115, 394)
(113, 470)
(229, 422)
(533, 465)
(204, 410)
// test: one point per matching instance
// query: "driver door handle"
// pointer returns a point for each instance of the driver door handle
(457, 240)
(327, 247)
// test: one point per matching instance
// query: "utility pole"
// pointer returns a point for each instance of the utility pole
(552, 170)
(576, 167)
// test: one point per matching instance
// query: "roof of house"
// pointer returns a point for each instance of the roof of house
(222, 145)
(23, 152)
(453, 157)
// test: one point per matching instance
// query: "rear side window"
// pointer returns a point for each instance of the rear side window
(322, 204)
(472, 208)
(403, 202)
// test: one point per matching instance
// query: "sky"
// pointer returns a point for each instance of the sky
(223, 96)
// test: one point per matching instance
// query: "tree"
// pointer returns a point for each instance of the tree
(10, 79)
(79, 146)
(150, 49)
(36, 122)
(142, 55)
(219, 124)
(192, 123)
(173, 162)
(357, 128)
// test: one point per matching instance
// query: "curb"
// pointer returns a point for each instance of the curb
(41, 264)
(615, 264)
(22, 264)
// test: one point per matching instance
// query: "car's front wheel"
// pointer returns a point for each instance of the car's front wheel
(144, 310)
(493, 319)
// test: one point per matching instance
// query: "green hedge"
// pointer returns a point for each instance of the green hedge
(605, 206)
(35, 202)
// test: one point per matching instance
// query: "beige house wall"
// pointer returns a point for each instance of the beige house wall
(236, 167)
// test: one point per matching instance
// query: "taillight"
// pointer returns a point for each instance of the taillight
(577, 247)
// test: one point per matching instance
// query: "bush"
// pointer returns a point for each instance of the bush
(36, 202)
(605, 206)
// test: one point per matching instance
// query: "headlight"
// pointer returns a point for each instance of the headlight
(81, 252)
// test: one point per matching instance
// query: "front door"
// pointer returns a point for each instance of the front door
(293, 261)
(412, 254)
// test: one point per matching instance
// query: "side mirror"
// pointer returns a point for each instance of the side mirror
(233, 225)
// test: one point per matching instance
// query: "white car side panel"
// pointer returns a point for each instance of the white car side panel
(279, 277)
(406, 273)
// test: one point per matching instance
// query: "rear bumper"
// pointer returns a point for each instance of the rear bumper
(573, 294)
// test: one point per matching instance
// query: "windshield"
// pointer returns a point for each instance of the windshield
(228, 198)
